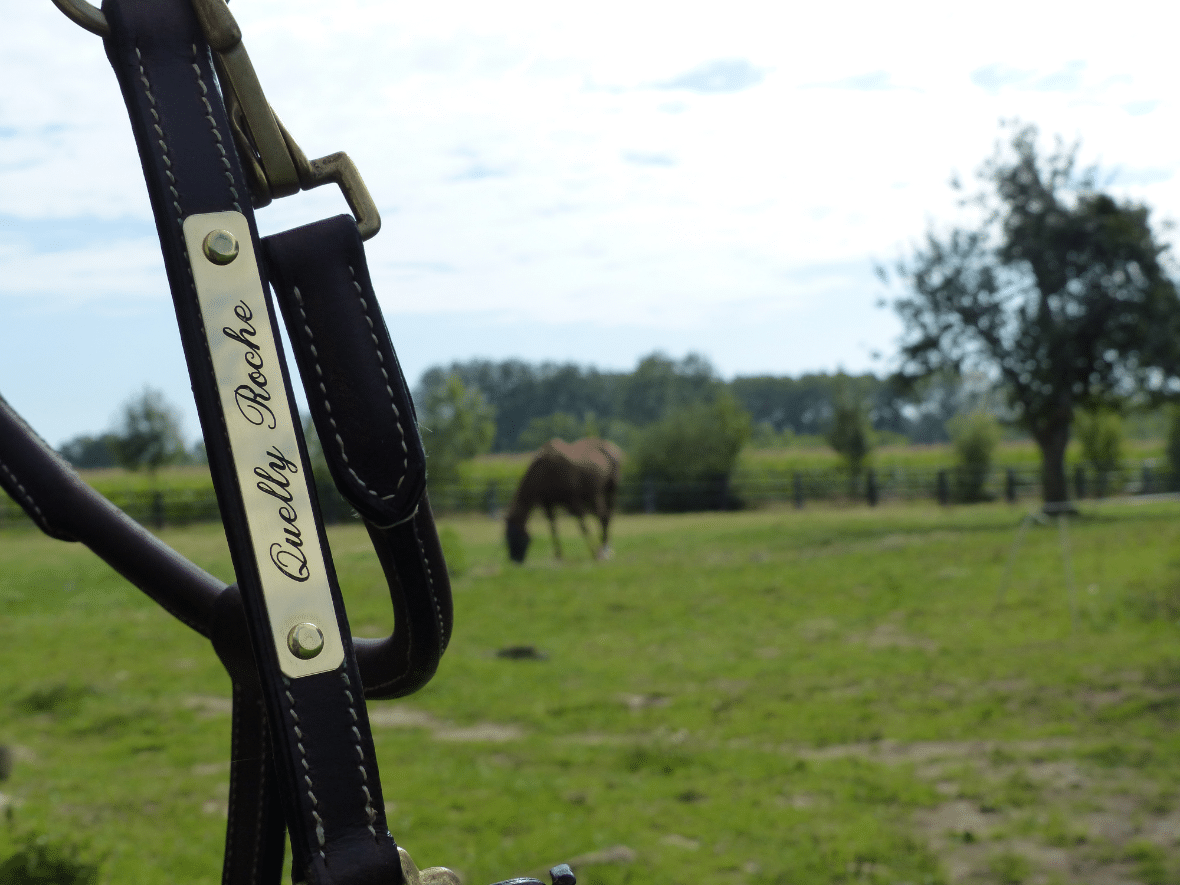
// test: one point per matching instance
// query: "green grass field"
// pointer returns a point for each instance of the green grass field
(833, 695)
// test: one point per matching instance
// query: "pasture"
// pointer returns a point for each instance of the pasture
(825, 696)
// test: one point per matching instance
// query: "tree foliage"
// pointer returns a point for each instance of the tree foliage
(661, 385)
(457, 423)
(1100, 431)
(692, 451)
(521, 393)
(850, 433)
(975, 436)
(1172, 448)
(804, 405)
(534, 403)
(87, 452)
(1057, 290)
(147, 433)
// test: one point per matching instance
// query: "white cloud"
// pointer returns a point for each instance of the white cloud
(524, 163)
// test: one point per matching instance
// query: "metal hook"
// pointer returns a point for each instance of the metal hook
(82, 13)
(91, 18)
(274, 163)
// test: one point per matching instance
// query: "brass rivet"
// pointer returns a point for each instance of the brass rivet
(220, 247)
(305, 641)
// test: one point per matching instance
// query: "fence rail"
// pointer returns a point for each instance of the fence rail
(745, 489)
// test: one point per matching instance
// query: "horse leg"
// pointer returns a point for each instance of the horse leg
(553, 528)
(586, 535)
(604, 513)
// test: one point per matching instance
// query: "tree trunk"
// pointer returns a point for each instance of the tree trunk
(1052, 442)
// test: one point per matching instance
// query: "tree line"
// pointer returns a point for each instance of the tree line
(531, 403)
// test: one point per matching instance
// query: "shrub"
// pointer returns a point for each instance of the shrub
(851, 432)
(692, 453)
(44, 861)
(457, 423)
(1173, 448)
(974, 436)
(147, 433)
(1100, 431)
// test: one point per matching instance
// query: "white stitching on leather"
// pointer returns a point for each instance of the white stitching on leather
(442, 634)
(319, 821)
(360, 294)
(369, 810)
(25, 494)
(324, 390)
(147, 90)
(262, 767)
(229, 172)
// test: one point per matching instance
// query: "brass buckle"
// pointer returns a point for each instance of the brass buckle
(275, 165)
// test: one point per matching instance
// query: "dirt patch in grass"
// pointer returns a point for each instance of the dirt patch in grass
(406, 717)
(208, 706)
(1014, 817)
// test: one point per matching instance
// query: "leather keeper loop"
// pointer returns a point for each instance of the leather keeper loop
(355, 388)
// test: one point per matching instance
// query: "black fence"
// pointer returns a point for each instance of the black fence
(744, 490)
(151, 508)
(753, 489)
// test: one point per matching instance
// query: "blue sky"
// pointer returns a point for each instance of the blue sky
(583, 184)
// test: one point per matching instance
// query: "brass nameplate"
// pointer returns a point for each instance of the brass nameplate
(272, 476)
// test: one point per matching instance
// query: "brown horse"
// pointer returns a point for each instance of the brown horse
(583, 477)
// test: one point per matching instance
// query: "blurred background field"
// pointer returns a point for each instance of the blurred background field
(831, 695)
(183, 494)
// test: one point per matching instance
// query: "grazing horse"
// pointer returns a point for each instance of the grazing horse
(583, 477)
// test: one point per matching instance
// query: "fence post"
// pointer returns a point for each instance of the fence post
(871, 487)
(943, 489)
(1010, 486)
(1146, 478)
(1079, 482)
(492, 501)
(797, 489)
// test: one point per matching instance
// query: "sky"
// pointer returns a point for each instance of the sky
(582, 183)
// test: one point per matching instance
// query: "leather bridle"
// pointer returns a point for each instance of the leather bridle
(302, 756)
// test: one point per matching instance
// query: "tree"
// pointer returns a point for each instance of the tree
(85, 451)
(693, 451)
(660, 385)
(147, 433)
(851, 431)
(975, 435)
(457, 423)
(1058, 292)
(520, 392)
(1100, 431)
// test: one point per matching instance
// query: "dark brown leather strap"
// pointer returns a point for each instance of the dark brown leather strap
(319, 729)
(365, 419)
(64, 507)
(355, 388)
